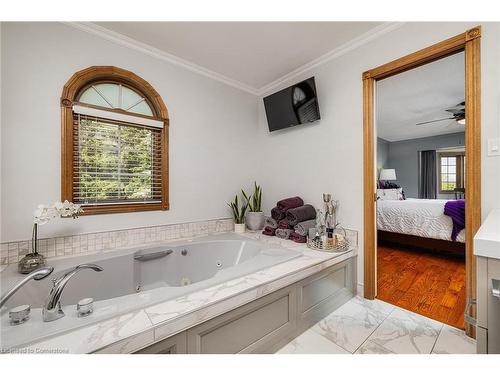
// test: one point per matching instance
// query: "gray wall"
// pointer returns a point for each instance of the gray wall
(382, 154)
(403, 157)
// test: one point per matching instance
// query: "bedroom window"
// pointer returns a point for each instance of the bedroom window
(451, 172)
(114, 146)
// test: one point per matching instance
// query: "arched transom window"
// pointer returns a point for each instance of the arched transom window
(115, 133)
(116, 96)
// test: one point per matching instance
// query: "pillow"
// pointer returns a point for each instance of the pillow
(390, 194)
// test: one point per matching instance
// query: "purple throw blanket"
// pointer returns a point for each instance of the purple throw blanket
(456, 210)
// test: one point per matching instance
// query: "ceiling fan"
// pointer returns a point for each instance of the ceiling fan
(457, 113)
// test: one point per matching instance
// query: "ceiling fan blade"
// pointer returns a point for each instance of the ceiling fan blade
(454, 124)
(429, 122)
(459, 108)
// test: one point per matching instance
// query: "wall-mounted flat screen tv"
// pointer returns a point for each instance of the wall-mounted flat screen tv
(295, 105)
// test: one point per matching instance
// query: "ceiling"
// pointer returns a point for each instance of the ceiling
(418, 95)
(253, 53)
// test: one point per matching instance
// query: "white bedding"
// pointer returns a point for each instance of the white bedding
(418, 217)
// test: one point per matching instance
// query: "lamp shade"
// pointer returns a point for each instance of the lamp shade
(387, 175)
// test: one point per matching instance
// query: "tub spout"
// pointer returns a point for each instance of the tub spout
(52, 309)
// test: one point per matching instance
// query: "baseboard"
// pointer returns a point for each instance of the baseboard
(360, 290)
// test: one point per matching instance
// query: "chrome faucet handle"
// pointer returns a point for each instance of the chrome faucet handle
(38, 274)
(19, 314)
(85, 307)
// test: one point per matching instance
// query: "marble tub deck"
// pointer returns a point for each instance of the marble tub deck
(134, 330)
(374, 327)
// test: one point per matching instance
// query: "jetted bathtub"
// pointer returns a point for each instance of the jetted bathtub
(139, 277)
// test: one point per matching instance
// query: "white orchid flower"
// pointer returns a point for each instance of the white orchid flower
(43, 214)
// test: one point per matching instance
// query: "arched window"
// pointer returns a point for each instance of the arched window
(114, 142)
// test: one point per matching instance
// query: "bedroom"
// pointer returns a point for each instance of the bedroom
(421, 190)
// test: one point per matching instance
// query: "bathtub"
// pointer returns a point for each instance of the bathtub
(138, 277)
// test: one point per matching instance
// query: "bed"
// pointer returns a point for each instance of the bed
(419, 223)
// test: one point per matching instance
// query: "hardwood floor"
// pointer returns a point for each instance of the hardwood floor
(427, 283)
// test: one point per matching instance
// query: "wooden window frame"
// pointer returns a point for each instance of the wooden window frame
(469, 42)
(72, 90)
(460, 172)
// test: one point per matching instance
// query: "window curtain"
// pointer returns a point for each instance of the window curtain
(427, 175)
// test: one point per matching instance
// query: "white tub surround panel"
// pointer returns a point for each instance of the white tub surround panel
(130, 331)
(248, 289)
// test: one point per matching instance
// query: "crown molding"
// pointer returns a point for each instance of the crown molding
(131, 43)
(128, 42)
(370, 35)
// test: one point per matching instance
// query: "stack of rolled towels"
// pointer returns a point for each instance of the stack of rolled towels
(291, 219)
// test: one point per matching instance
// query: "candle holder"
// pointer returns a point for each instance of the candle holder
(33, 260)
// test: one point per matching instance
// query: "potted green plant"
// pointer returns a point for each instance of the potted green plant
(238, 214)
(254, 217)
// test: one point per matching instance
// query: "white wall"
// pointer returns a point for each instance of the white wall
(219, 137)
(328, 156)
(211, 130)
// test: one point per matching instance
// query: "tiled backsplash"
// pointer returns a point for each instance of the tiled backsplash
(12, 252)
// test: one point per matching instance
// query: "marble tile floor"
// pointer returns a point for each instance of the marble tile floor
(375, 327)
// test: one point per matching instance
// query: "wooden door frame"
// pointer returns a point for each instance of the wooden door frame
(469, 42)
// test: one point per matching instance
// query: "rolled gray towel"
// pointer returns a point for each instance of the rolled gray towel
(300, 214)
(277, 214)
(270, 222)
(302, 228)
(283, 233)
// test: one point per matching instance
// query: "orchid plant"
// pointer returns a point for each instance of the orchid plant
(44, 213)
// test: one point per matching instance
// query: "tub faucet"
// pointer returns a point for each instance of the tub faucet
(52, 309)
(38, 274)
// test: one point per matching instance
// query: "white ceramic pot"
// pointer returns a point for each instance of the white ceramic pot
(239, 228)
(254, 220)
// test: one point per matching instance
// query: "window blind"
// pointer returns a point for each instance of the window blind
(94, 112)
(115, 162)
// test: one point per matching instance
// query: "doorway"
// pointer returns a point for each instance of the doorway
(469, 44)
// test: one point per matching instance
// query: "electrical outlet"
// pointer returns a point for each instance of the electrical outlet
(494, 147)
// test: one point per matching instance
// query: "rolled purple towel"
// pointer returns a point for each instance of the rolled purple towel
(269, 231)
(283, 224)
(300, 214)
(277, 214)
(288, 203)
(270, 222)
(295, 237)
(455, 210)
(283, 233)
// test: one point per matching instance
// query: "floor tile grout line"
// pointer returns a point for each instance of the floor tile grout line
(393, 309)
(326, 337)
(420, 315)
(332, 342)
(377, 345)
(370, 335)
(339, 345)
(378, 325)
(437, 338)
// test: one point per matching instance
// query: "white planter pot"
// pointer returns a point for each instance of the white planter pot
(239, 228)
(255, 220)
